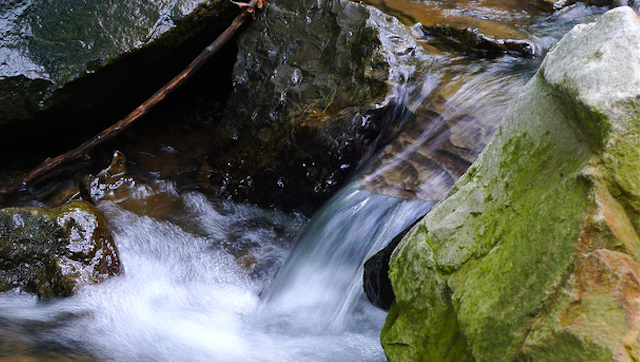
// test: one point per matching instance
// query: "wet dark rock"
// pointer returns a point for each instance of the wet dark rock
(112, 183)
(554, 5)
(483, 29)
(130, 192)
(482, 44)
(80, 66)
(52, 252)
(375, 279)
(310, 86)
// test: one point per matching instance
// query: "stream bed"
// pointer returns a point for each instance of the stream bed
(208, 279)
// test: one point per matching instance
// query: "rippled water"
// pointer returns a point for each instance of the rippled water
(216, 281)
(321, 282)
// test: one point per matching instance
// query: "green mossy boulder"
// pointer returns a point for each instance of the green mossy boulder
(534, 255)
(53, 252)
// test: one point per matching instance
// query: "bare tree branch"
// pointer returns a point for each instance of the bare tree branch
(50, 164)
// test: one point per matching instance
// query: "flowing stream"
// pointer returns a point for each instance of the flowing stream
(217, 281)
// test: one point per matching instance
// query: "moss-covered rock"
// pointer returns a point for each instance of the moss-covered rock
(310, 83)
(53, 252)
(534, 255)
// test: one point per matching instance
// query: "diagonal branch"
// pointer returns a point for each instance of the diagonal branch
(50, 164)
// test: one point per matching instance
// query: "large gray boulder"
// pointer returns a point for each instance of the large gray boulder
(76, 65)
(534, 255)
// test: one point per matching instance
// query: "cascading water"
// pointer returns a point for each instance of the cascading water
(199, 284)
(193, 279)
(323, 275)
(320, 284)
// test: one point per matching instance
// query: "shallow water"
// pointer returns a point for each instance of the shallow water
(190, 293)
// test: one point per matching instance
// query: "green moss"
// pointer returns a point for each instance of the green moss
(622, 160)
(539, 255)
(503, 242)
(436, 310)
(50, 252)
(592, 125)
(566, 347)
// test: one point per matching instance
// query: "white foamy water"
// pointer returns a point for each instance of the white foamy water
(185, 296)
(330, 255)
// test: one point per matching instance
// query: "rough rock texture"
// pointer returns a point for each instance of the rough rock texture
(71, 63)
(534, 255)
(52, 252)
(310, 83)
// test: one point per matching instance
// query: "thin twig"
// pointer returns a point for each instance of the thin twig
(51, 163)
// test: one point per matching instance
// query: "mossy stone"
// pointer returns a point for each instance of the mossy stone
(51, 252)
(534, 255)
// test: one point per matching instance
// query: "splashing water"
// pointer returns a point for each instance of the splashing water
(322, 277)
(185, 296)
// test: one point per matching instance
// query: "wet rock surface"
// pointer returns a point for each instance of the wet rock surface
(310, 85)
(534, 256)
(561, 4)
(485, 28)
(69, 64)
(53, 252)
(116, 185)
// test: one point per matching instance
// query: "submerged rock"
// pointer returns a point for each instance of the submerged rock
(484, 28)
(53, 252)
(426, 159)
(534, 256)
(131, 193)
(561, 4)
(311, 82)
(112, 183)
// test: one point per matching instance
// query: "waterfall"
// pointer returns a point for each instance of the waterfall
(321, 281)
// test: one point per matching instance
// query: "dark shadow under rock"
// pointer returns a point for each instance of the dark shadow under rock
(376, 283)
(81, 67)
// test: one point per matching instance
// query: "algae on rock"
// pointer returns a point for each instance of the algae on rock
(534, 256)
(53, 252)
